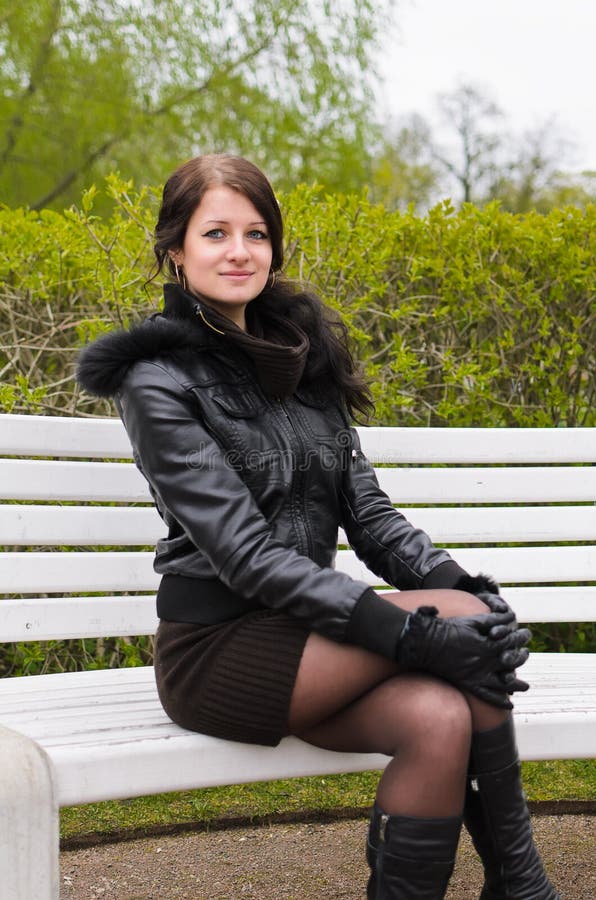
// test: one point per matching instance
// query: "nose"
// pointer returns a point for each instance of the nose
(238, 248)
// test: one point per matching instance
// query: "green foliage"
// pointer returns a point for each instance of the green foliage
(43, 657)
(64, 279)
(568, 779)
(563, 637)
(87, 88)
(470, 318)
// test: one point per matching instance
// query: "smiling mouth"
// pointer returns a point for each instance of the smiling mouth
(236, 274)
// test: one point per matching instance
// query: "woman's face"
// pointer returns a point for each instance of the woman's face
(226, 253)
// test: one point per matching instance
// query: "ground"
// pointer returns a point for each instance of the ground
(293, 862)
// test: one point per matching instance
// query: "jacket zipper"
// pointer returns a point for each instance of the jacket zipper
(304, 520)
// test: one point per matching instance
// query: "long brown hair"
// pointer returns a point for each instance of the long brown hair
(330, 362)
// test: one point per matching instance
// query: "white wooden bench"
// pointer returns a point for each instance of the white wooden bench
(88, 736)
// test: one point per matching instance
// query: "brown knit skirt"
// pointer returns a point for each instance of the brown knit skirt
(232, 680)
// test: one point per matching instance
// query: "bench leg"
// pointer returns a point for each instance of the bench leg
(28, 820)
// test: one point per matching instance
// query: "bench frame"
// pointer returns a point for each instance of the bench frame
(88, 736)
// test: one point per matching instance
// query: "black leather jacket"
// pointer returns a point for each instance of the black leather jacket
(252, 488)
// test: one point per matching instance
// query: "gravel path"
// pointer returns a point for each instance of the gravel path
(293, 862)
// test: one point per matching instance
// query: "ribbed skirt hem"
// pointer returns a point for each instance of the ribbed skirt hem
(232, 680)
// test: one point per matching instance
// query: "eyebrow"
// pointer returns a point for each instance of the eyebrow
(226, 222)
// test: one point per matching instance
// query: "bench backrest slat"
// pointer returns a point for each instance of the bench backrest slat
(522, 484)
(51, 618)
(39, 572)
(122, 482)
(23, 435)
(26, 479)
(515, 565)
(81, 526)
(479, 445)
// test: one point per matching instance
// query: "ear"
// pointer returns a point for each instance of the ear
(176, 256)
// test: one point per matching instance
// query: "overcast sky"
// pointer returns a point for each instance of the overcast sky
(535, 58)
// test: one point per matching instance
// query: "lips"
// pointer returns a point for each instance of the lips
(236, 274)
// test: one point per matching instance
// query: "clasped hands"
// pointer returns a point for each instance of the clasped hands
(479, 653)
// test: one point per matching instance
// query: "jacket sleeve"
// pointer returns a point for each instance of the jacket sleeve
(402, 555)
(191, 477)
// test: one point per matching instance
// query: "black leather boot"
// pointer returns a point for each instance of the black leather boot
(413, 858)
(497, 817)
(372, 847)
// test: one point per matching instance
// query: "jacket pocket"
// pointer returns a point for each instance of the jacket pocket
(237, 405)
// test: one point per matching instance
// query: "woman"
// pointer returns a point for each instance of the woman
(238, 399)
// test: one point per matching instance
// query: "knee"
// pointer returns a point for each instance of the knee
(460, 603)
(440, 720)
(448, 601)
(447, 715)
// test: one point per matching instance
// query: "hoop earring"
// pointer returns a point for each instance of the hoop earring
(272, 276)
(180, 276)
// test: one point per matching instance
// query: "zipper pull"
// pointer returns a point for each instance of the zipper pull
(198, 311)
(281, 405)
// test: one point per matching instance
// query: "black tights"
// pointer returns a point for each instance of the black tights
(349, 699)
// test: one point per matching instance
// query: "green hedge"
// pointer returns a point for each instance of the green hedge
(476, 317)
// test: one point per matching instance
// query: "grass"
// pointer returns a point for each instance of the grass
(552, 780)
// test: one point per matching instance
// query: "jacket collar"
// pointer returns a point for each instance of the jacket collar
(102, 365)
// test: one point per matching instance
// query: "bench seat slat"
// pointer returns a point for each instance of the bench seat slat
(22, 479)
(117, 761)
(38, 572)
(71, 706)
(106, 438)
(22, 525)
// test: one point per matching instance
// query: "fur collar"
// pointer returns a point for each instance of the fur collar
(102, 365)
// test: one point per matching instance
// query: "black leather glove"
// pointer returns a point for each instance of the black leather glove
(487, 589)
(477, 584)
(460, 650)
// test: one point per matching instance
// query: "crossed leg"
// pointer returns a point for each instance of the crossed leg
(347, 698)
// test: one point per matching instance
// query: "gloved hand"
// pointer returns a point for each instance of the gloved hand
(486, 589)
(461, 650)
(477, 584)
